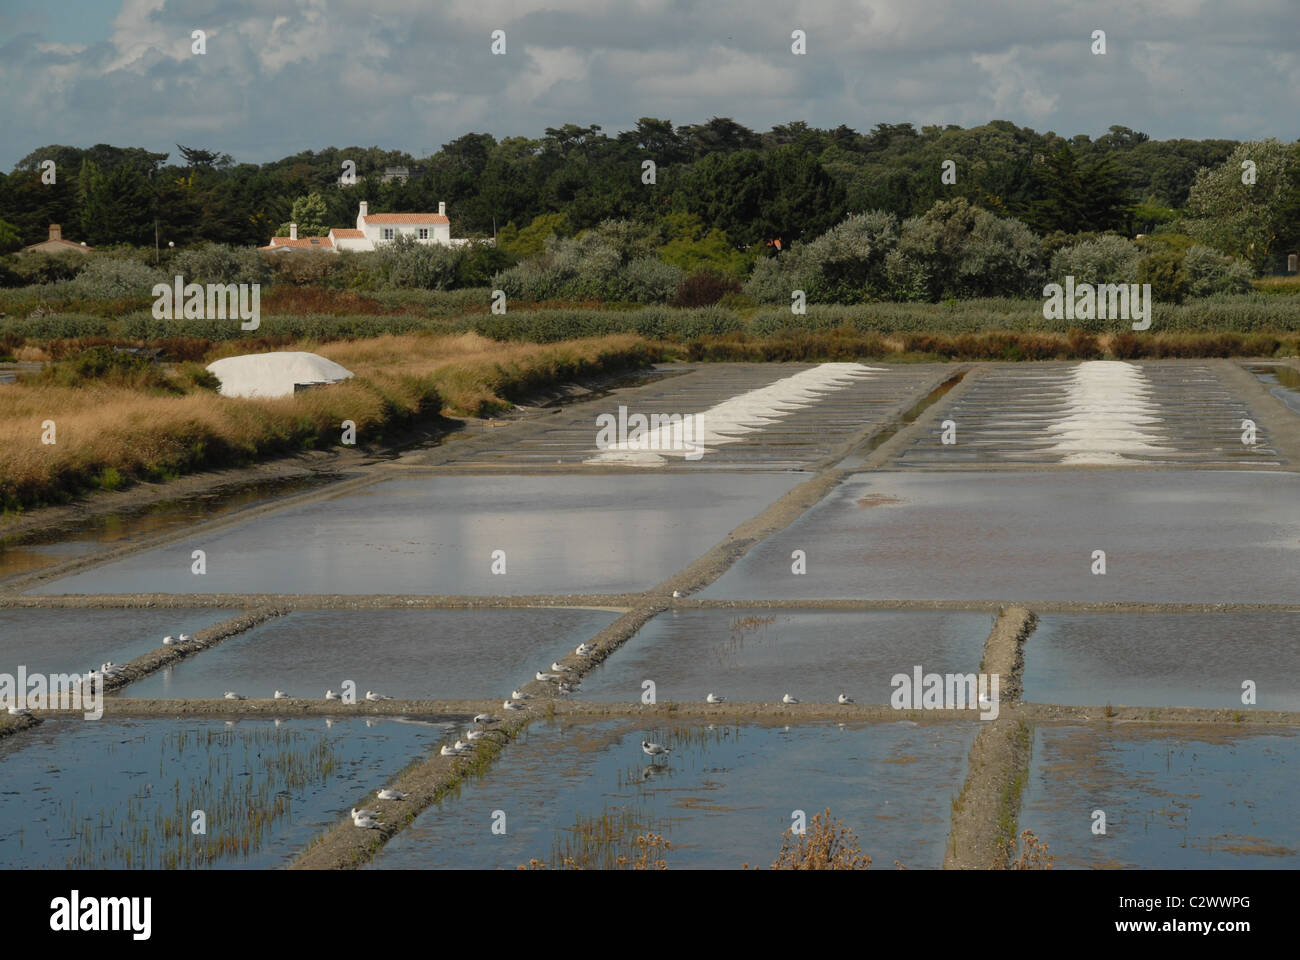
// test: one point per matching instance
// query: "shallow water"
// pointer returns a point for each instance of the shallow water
(437, 535)
(417, 654)
(1175, 800)
(73, 641)
(121, 793)
(1168, 536)
(724, 798)
(89, 534)
(1282, 380)
(815, 655)
(1163, 660)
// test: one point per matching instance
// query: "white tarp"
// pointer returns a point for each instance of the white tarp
(274, 374)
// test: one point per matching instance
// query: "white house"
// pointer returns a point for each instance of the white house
(374, 229)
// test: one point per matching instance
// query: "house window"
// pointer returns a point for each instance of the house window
(424, 233)
(388, 233)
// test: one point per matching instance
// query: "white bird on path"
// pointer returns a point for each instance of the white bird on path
(388, 793)
(584, 650)
(280, 695)
(331, 695)
(714, 698)
(655, 749)
(557, 668)
(844, 699)
(547, 676)
(513, 705)
(484, 718)
(364, 814)
(231, 695)
(168, 641)
(184, 638)
(366, 823)
(788, 699)
(520, 695)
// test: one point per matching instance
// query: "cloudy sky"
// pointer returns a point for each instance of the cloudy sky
(280, 76)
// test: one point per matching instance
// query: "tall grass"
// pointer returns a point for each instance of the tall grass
(149, 434)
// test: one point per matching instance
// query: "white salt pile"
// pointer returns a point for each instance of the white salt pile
(1111, 418)
(274, 374)
(730, 420)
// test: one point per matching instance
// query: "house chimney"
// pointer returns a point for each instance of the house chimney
(56, 232)
(293, 231)
(365, 209)
(442, 209)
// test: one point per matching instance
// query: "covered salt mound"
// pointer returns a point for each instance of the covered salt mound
(274, 374)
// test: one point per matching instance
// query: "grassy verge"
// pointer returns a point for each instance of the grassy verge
(111, 430)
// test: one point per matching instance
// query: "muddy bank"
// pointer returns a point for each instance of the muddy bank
(424, 782)
(984, 814)
(1004, 653)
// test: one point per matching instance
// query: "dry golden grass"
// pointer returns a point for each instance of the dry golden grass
(106, 434)
(825, 845)
(1033, 854)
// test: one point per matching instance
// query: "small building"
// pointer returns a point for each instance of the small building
(372, 231)
(295, 242)
(56, 244)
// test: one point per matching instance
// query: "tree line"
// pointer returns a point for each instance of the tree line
(773, 189)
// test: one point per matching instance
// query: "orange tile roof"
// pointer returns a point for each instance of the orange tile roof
(382, 218)
(348, 234)
(319, 243)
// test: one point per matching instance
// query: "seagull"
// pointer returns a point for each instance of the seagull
(231, 695)
(788, 699)
(388, 793)
(564, 688)
(372, 696)
(484, 718)
(584, 650)
(513, 705)
(366, 823)
(844, 699)
(714, 698)
(654, 749)
(520, 695)
(331, 695)
(455, 751)
(557, 668)
(184, 638)
(464, 745)
(281, 695)
(17, 711)
(677, 593)
(364, 814)
(168, 641)
(547, 676)
(474, 735)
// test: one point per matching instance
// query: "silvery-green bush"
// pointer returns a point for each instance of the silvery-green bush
(773, 278)
(406, 263)
(1209, 272)
(646, 280)
(846, 264)
(108, 278)
(1108, 259)
(221, 263)
(958, 250)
